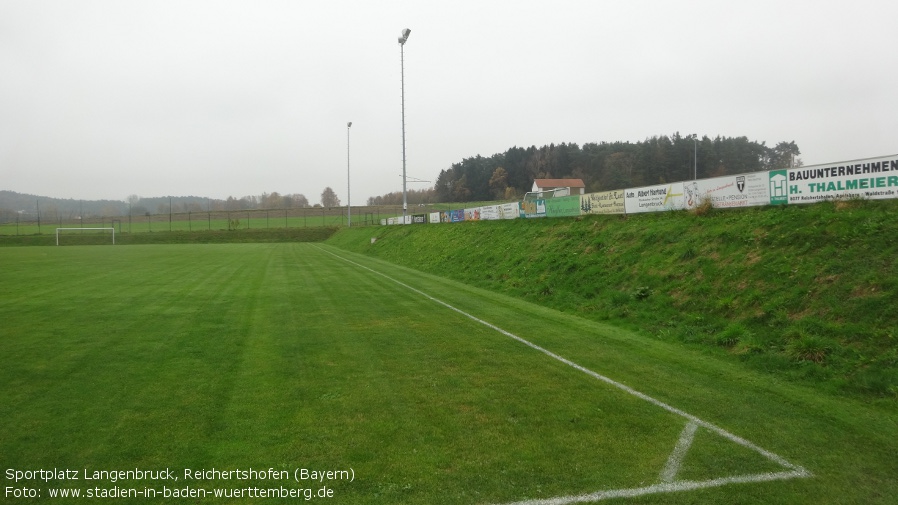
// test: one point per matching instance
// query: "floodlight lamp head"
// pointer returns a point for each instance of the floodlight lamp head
(349, 124)
(405, 34)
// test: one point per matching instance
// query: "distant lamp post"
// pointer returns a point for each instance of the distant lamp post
(348, 197)
(402, 40)
(695, 157)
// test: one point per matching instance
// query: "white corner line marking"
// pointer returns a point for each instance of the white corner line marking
(795, 471)
(676, 457)
(671, 487)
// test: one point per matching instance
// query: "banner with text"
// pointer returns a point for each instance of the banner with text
(510, 210)
(563, 206)
(606, 202)
(533, 208)
(655, 198)
(730, 191)
(871, 178)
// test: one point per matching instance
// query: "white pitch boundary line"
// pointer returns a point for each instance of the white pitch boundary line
(671, 487)
(795, 471)
(676, 457)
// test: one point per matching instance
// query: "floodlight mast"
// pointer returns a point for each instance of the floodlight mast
(695, 157)
(348, 195)
(405, 33)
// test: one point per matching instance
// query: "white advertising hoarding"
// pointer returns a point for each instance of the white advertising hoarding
(655, 198)
(509, 210)
(730, 191)
(871, 178)
(490, 212)
(607, 202)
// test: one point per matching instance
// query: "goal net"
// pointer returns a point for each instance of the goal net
(532, 196)
(103, 232)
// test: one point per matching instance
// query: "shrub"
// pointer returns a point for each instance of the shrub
(704, 207)
(808, 348)
(641, 293)
(731, 335)
(751, 343)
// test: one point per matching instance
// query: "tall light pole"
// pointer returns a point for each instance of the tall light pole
(695, 157)
(402, 40)
(348, 197)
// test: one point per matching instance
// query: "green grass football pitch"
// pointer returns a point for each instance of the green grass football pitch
(377, 383)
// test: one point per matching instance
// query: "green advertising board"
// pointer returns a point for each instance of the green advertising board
(564, 206)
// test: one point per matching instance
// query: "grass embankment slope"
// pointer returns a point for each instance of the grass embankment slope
(808, 293)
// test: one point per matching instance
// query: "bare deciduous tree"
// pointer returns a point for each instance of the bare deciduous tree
(329, 198)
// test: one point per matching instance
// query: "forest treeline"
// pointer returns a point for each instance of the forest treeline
(606, 166)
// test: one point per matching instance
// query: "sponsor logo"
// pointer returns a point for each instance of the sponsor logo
(778, 188)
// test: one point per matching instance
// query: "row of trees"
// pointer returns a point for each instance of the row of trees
(607, 166)
(15, 206)
(273, 200)
(412, 196)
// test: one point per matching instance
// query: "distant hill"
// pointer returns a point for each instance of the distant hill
(21, 206)
(26, 206)
(12, 203)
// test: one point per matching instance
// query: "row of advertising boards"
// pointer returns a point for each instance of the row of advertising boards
(870, 178)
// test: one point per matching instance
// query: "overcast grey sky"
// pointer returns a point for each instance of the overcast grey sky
(100, 99)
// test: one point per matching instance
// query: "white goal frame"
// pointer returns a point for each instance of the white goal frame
(545, 194)
(57, 232)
